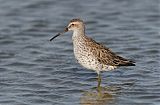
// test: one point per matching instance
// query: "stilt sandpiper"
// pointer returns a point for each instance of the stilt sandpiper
(90, 54)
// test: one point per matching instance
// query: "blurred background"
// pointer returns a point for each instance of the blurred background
(35, 71)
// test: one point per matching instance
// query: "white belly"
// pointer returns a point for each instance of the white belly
(86, 60)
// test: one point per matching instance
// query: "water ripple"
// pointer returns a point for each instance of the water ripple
(35, 71)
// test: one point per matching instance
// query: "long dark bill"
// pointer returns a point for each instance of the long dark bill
(66, 29)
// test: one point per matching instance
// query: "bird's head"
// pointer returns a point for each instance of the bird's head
(74, 25)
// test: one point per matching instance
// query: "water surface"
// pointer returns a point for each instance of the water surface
(34, 71)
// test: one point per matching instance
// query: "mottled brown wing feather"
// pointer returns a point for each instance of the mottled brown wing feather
(106, 56)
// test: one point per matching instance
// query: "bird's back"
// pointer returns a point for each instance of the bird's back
(105, 55)
(101, 54)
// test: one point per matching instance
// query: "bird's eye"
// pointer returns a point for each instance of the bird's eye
(72, 24)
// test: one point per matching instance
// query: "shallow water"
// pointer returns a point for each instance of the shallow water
(34, 71)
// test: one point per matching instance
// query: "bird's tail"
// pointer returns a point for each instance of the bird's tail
(127, 63)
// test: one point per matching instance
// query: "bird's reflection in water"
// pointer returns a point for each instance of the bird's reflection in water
(99, 96)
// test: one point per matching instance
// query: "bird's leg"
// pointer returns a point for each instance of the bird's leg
(99, 81)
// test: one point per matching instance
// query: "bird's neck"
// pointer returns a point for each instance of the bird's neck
(78, 34)
(78, 38)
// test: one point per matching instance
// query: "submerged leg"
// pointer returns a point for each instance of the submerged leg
(99, 81)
